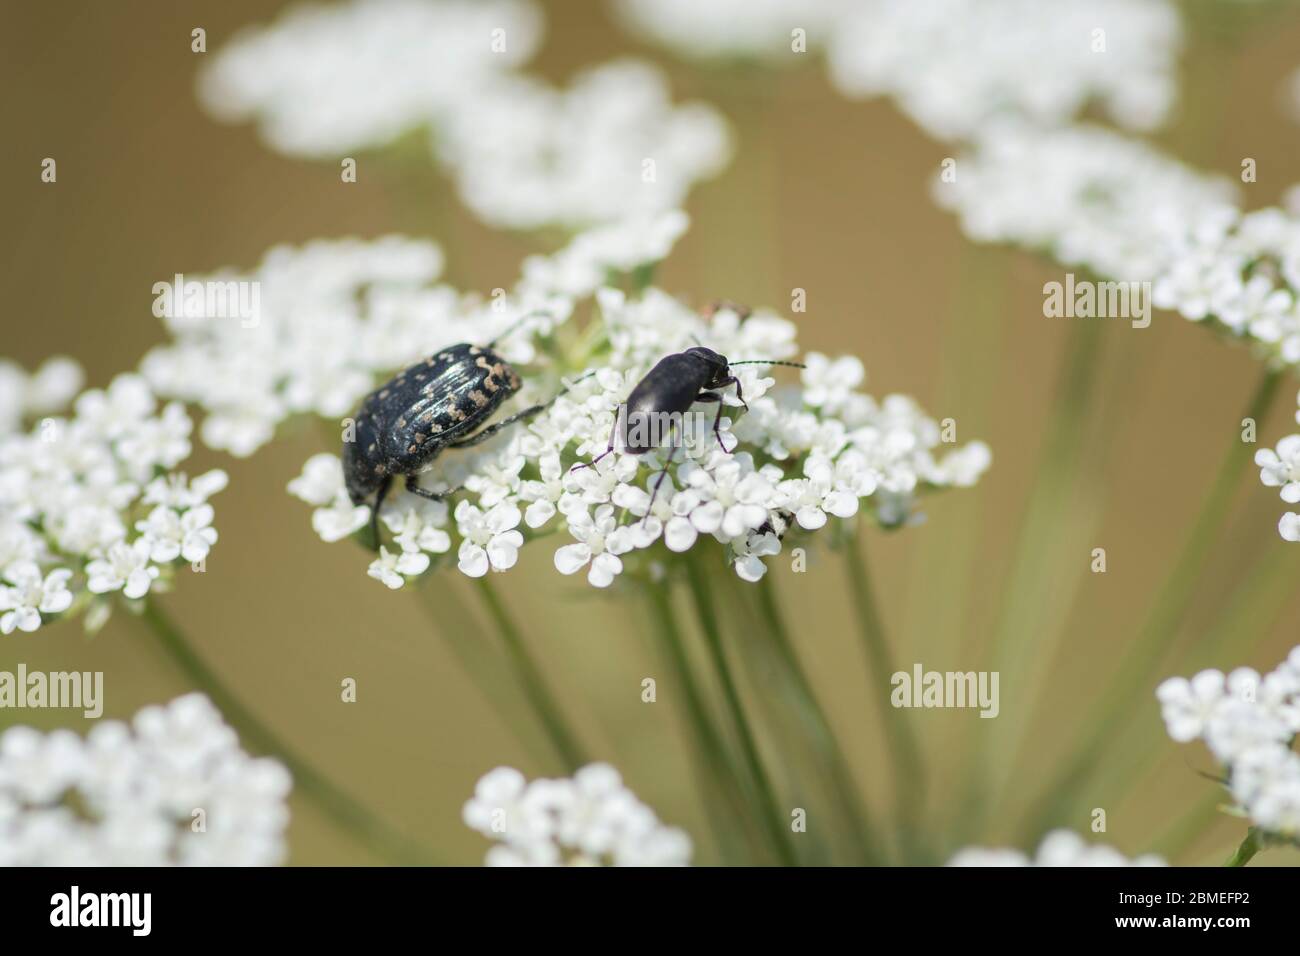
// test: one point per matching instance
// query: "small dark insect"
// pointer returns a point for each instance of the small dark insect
(434, 404)
(668, 391)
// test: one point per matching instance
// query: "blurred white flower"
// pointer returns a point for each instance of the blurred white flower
(49, 389)
(131, 795)
(1059, 848)
(1248, 721)
(955, 65)
(591, 819)
(326, 79)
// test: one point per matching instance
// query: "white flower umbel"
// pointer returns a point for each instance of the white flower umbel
(1082, 195)
(609, 146)
(591, 819)
(1248, 721)
(795, 461)
(1059, 848)
(734, 29)
(91, 506)
(955, 65)
(328, 79)
(172, 788)
(25, 397)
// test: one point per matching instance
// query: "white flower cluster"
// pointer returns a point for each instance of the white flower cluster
(90, 506)
(793, 459)
(1280, 468)
(25, 396)
(733, 29)
(326, 80)
(172, 788)
(951, 65)
(1083, 196)
(591, 819)
(332, 313)
(1248, 722)
(955, 65)
(1059, 848)
(611, 145)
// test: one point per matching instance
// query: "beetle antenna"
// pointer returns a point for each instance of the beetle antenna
(515, 324)
(769, 362)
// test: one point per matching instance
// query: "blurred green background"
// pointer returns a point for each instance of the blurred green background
(824, 194)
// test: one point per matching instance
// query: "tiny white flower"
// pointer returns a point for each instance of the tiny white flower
(600, 542)
(126, 568)
(491, 542)
(29, 595)
(393, 568)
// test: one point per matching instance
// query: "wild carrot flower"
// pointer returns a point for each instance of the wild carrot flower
(1248, 721)
(92, 505)
(171, 788)
(328, 80)
(1059, 848)
(791, 460)
(25, 397)
(591, 819)
(955, 65)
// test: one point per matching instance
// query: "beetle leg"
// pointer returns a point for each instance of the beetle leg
(415, 489)
(592, 464)
(485, 434)
(717, 419)
(374, 512)
(663, 473)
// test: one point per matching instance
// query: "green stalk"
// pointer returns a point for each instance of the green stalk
(1126, 691)
(1179, 836)
(818, 726)
(481, 661)
(562, 738)
(909, 768)
(720, 782)
(1026, 598)
(1246, 852)
(352, 816)
(773, 818)
(972, 355)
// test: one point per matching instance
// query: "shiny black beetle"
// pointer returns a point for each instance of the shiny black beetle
(434, 404)
(668, 391)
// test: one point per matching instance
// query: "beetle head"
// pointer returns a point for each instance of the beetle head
(715, 360)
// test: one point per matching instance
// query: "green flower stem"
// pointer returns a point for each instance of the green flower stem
(352, 816)
(1027, 596)
(1127, 690)
(562, 738)
(909, 768)
(1247, 618)
(973, 354)
(720, 782)
(774, 819)
(1183, 832)
(1246, 852)
(482, 662)
(817, 724)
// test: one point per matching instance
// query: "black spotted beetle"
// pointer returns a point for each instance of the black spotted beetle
(668, 391)
(434, 404)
